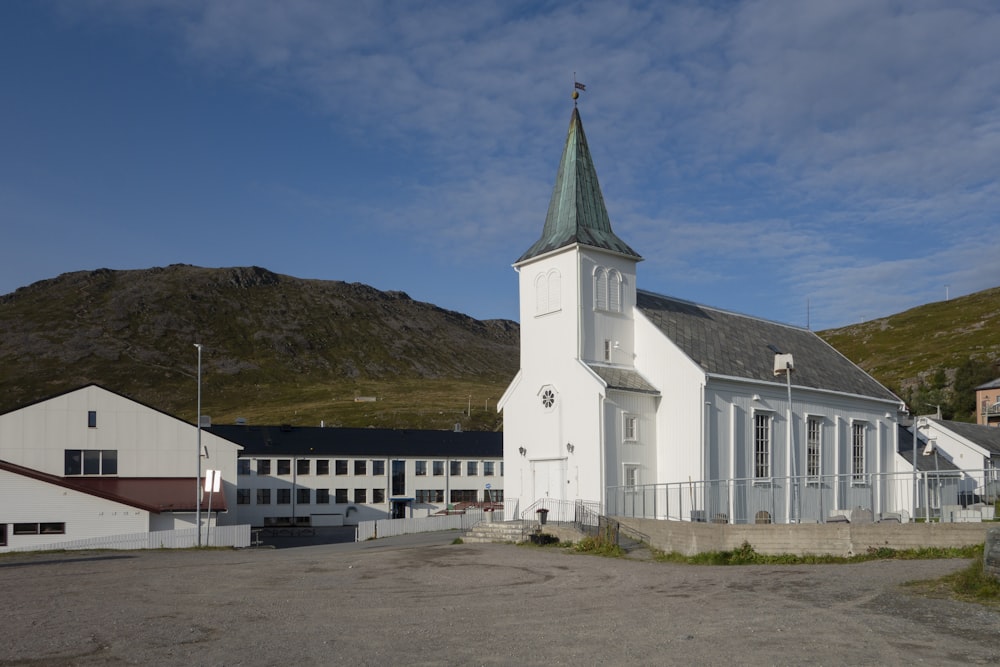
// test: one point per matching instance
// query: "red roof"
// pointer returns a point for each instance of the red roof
(153, 494)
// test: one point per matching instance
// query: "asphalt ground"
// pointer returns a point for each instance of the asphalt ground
(421, 600)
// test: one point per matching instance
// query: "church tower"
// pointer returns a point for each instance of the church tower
(577, 297)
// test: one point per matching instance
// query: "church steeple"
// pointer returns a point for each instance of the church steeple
(576, 211)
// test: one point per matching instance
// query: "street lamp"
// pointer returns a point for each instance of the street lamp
(197, 483)
(783, 364)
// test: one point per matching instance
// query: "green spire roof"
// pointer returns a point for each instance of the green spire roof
(576, 211)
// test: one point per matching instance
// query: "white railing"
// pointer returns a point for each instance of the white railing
(219, 536)
(819, 499)
(370, 530)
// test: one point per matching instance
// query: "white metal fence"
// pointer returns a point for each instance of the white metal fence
(370, 530)
(219, 536)
(889, 496)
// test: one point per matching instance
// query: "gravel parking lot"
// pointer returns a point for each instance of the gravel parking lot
(424, 601)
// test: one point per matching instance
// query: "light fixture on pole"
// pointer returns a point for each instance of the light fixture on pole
(197, 484)
(783, 364)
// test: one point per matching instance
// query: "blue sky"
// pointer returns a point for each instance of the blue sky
(759, 155)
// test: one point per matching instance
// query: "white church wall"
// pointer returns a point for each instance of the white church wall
(680, 409)
(612, 325)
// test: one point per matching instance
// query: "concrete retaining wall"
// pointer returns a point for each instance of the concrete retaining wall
(835, 539)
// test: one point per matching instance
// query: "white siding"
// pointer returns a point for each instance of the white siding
(27, 500)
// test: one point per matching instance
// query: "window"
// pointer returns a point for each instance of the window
(631, 428)
(263, 496)
(858, 453)
(50, 528)
(463, 495)
(322, 496)
(399, 478)
(361, 467)
(378, 467)
(430, 496)
(421, 468)
(340, 495)
(607, 290)
(92, 419)
(472, 468)
(323, 467)
(548, 399)
(284, 466)
(284, 496)
(378, 495)
(340, 466)
(243, 467)
(600, 288)
(242, 496)
(360, 495)
(456, 468)
(302, 496)
(762, 446)
(90, 462)
(438, 468)
(501, 468)
(813, 448)
(607, 350)
(488, 468)
(302, 467)
(548, 288)
(264, 467)
(630, 474)
(3, 534)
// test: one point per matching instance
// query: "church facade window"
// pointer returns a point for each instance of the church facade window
(607, 290)
(548, 292)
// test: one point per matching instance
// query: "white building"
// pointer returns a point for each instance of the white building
(621, 390)
(972, 448)
(313, 476)
(93, 463)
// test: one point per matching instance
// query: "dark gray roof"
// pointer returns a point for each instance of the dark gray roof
(734, 345)
(576, 211)
(925, 462)
(623, 378)
(317, 441)
(992, 384)
(987, 437)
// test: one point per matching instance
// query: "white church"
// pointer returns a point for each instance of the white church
(639, 404)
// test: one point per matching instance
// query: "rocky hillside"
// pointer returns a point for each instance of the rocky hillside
(275, 347)
(930, 355)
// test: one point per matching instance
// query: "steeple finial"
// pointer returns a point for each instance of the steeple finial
(577, 86)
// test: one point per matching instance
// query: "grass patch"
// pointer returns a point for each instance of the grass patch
(601, 544)
(746, 555)
(458, 540)
(970, 584)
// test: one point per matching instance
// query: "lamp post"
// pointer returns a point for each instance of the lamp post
(197, 484)
(783, 364)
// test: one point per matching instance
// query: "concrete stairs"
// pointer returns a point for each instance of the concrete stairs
(504, 532)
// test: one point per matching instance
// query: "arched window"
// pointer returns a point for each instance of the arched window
(607, 290)
(548, 292)
(614, 291)
(600, 288)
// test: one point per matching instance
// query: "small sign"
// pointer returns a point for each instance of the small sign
(489, 486)
(213, 481)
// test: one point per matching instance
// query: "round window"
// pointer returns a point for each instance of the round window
(548, 398)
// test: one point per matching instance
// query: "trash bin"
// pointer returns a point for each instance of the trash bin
(542, 515)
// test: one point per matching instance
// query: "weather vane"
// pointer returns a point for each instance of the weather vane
(577, 86)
